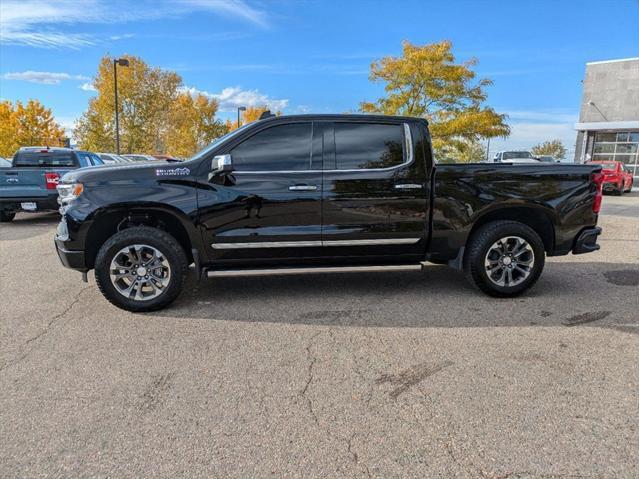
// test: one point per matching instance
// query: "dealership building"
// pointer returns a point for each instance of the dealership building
(608, 127)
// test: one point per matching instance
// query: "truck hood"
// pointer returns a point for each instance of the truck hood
(110, 173)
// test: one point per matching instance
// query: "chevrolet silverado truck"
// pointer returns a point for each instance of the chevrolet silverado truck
(29, 183)
(320, 193)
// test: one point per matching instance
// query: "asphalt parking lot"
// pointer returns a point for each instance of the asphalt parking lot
(348, 375)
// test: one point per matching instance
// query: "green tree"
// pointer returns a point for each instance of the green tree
(426, 82)
(554, 148)
(462, 151)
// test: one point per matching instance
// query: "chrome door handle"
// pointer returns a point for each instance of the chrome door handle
(12, 180)
(303, 188)
(409, 186)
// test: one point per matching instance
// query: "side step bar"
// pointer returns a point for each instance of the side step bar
(312, 270)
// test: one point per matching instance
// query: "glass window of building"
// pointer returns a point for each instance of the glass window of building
(618, 146)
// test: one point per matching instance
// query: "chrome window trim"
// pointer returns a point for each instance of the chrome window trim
(307, 244)
(410, 157)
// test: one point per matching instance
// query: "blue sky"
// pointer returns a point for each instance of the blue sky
(314, 56)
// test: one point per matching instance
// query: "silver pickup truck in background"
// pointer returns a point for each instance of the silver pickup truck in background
(29, 184)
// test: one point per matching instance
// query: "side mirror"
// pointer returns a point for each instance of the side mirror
(222, 164)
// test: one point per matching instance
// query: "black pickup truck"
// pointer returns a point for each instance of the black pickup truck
(321, 193)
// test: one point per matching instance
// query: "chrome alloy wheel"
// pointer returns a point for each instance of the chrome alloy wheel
(509, 261)
(140, 272)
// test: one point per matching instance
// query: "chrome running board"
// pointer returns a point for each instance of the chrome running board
(313, 270)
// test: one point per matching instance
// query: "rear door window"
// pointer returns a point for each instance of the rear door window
(368, 145)
(45, 159)
(280, 148)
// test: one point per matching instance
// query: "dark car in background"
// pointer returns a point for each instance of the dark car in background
(139, 157)
(29, 183)
(547, 159)
(112, 158)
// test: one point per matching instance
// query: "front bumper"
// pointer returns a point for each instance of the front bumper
(586, 242)
(70, 259)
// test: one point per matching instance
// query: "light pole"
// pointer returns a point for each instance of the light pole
(123, 62)
(239, 109)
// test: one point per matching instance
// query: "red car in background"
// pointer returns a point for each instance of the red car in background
(616, 177)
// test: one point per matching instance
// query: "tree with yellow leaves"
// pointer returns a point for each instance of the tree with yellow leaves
(192, 124)
(145, 96)
(27, 125)
(426, 82)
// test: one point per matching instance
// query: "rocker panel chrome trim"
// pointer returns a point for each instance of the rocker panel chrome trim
(312, 244)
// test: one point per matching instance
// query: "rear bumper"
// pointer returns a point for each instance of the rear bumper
(586, 242)
(48, 203)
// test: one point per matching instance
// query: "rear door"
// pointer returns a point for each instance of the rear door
(270, 205)
(375, 195)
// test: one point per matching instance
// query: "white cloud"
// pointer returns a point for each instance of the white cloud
(40, 23)
(46, 78)
(231, 8)
(87, 86)
(123, 36)
(559, 115)
(232, 97)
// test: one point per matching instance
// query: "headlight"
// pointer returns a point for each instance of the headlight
(67, 192)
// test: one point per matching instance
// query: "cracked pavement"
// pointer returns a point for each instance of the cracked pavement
(346, 375)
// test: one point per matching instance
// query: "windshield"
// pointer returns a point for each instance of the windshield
(44, 158)
(218, 141)
(510, 155)
(607, 166)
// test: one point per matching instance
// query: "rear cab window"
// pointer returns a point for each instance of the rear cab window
(368, 145)
(44, 159)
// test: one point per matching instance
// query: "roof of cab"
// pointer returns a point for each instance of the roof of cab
(343, 116)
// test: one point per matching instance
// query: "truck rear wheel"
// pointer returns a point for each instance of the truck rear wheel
(504, 258)
(7, 216)
(141, 269)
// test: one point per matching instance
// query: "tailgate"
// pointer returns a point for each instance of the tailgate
(29, 182)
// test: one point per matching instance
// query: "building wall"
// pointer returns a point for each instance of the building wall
(613, 87)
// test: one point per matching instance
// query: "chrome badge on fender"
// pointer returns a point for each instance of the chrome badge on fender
(172, 172)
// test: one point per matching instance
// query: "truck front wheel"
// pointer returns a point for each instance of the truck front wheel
(504, 258)
(141, 269)
(7, 216)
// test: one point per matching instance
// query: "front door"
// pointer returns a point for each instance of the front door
(376, 194)
(269, 207)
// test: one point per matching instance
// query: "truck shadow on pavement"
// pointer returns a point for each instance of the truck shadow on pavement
(570, 294)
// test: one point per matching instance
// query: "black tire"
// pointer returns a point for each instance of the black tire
(481, 242)
(7, 216)
(166, 244)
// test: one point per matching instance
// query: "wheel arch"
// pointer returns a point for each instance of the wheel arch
(536, 218)
(105, 223)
